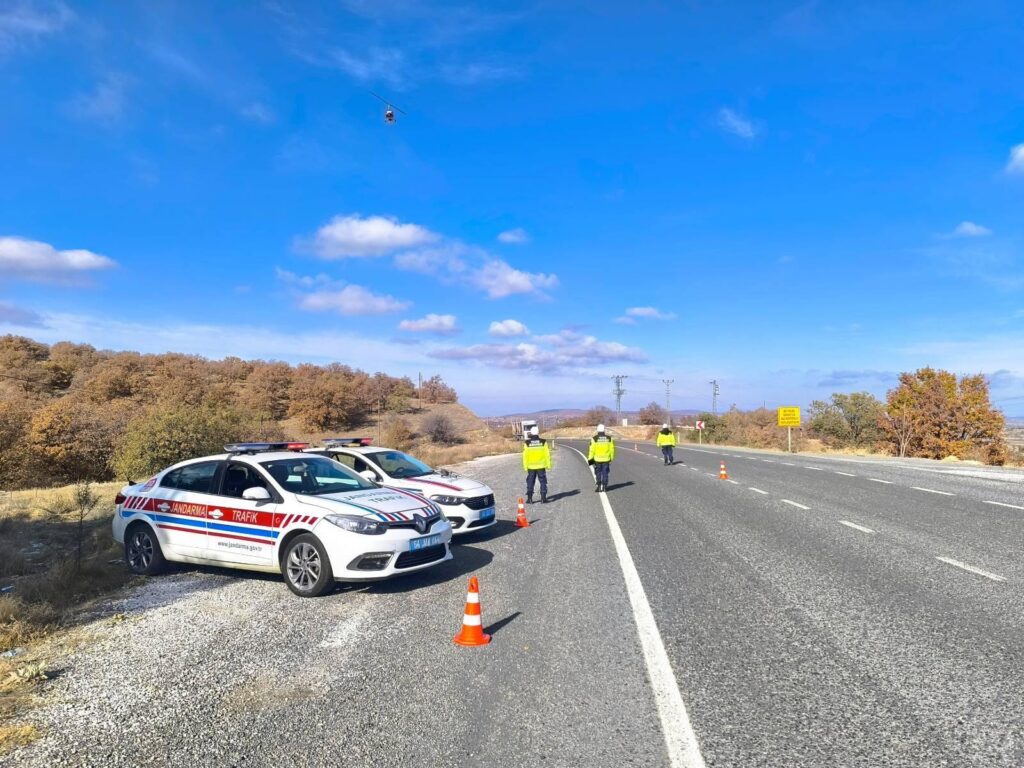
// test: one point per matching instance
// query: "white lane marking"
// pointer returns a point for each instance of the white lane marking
(695, 469)
(816, 469)
(932, 490)
(769, 461)
(735, 482)
(1002, 504)
(876, 480)
(860, 528)
(712, 474)
(758, 490)
(971, 568)
(845, 474)
(789, 464)
(794, 504)
(680, 739)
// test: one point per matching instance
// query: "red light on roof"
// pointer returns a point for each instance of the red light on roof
(297, 446)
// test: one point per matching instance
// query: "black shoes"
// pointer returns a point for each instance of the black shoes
(543, 499)
(529, 499)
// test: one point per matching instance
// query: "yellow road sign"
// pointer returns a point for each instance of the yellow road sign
(789, 417)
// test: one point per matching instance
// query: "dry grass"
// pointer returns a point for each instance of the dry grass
(485, 444)
(14, 735)
(37, 559)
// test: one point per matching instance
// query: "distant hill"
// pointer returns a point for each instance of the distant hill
(553, 415)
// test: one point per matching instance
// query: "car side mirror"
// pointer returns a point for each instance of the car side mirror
(256, 494)
(370, 475)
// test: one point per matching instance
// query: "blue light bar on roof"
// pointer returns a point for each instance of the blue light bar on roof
(260, 447)
(348, 441)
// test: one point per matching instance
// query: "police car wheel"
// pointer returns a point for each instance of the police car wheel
(142, 551)
(306, 567)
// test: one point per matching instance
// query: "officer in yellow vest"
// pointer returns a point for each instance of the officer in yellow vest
(667, 441)
(536, 462)
(600, 456)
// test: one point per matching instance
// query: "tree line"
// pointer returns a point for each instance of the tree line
(930, 413)
(70, 412)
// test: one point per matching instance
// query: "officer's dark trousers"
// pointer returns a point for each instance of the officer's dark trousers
(601, 471)
(532, 475)
(666, 451)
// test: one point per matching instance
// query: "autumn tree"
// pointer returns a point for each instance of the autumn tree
(267, 390)
(434, 390)
(652, 413)
(72, 440)
(599, 414)
(933, 414)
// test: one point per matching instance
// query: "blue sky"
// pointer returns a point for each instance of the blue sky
(794, 198)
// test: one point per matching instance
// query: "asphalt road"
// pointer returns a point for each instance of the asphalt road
(802, 610)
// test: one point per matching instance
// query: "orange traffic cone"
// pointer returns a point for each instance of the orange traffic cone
(472, 632)
(722, 474)
(521, 521)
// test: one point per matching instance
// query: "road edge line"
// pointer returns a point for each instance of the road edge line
(680, 738)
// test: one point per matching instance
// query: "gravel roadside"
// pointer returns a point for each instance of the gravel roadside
(216, 667)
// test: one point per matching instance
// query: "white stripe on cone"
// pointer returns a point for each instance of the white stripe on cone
(472, 621)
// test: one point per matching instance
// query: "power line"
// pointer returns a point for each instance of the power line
(618, 392)
(668, 396)
(714, 396)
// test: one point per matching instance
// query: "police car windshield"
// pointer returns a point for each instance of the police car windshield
(315, 476)
(399, 465)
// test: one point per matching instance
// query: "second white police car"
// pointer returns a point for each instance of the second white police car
(271, 507)
(468, 504)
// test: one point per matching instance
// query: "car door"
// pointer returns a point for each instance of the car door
(179, 505)
(358, 464)
(240, 530)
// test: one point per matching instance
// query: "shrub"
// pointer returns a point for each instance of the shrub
(439, 429)
(395, 433)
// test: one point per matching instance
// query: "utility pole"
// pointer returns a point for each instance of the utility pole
(618, 392)
(714, 396)
(668, 397)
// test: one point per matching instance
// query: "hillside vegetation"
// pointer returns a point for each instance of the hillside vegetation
(72, 413)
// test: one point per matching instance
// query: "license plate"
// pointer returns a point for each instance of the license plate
(424, 542)
(487, 514)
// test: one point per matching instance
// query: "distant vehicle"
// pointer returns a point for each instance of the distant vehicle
(468, 504)
(522, 428)
(270, 507)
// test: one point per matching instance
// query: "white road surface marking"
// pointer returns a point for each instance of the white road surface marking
(769, 461)
(816, 469)
(789, 464)
(758, 490)
(876, 480)
(845, 474)
(932, 490)
(735, 482)
(680, 739)
(856, 527)
(795, 504)
(1002, 504)
(971, 568)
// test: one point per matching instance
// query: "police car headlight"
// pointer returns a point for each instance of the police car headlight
(356, 524)
(449, 500)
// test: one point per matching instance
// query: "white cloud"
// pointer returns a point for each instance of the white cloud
(26, 21)
(516, 236)
(508, 328)
(500, 279)
(1016, 162)
(567, 350)
(104, 104)
(41, 262)
(440, 324)
(970, 229)
(12, 315)
(376, 64)
(650, 313)
(736, 124)
(305, 281)
(259, 112)
(444, 260)
(358, 236)
(352, 300)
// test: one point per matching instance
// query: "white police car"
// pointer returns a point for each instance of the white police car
(468, 505)
(271, 507)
